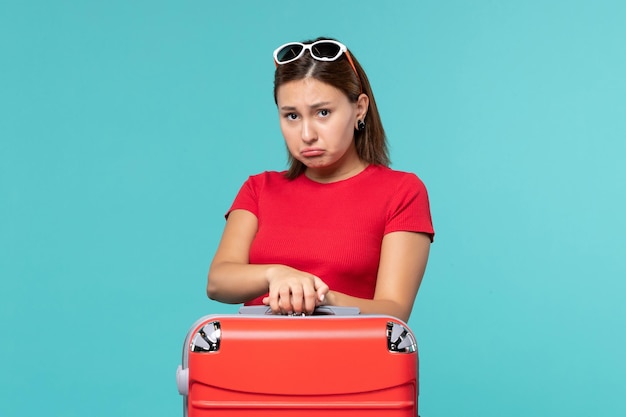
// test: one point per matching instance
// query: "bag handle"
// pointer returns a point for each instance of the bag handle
(319, 311)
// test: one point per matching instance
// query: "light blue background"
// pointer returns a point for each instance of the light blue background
(127, 127)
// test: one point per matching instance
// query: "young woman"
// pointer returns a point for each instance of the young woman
(339, 227)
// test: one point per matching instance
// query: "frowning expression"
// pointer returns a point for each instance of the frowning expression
(318, 121)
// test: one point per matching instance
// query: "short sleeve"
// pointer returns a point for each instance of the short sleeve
(409, 208)
(247, 197)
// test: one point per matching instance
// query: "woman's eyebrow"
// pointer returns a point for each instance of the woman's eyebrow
(312, 106)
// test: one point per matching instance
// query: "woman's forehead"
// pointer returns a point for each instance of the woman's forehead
(308, 91)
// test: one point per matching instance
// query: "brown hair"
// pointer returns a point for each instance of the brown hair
(371, 143)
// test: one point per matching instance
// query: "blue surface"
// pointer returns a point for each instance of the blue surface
(126, 128)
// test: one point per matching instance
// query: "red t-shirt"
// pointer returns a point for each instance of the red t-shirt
(334, 230)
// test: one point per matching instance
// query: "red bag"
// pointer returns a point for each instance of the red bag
(333, 363)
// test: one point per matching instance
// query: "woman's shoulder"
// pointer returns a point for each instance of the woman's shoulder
(266, 180)
(266, 176)
(388, 175)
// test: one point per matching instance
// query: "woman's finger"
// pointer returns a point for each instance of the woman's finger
(321, 289)
(297, 295)
(284, 300)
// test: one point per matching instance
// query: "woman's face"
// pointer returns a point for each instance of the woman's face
(318, 121)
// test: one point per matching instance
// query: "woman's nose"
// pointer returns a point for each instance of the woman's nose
(308, 132)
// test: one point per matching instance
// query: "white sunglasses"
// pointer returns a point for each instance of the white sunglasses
(324, 50)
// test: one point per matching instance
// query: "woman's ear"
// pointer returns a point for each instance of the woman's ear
(362, 105)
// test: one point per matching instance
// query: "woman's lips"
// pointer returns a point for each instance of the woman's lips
(310, 152)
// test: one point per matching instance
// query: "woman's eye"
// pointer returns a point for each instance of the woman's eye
(324, 113)
(291, 116)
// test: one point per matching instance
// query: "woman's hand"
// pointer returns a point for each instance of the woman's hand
(294, 292)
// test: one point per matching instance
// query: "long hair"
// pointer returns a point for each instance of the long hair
(371, 143)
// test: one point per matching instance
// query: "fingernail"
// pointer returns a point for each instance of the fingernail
(322, 297)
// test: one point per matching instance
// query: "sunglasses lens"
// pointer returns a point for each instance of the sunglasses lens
(326, 50)
(289, 52)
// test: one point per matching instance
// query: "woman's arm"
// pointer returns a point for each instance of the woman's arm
(402, 264)
(232, 279)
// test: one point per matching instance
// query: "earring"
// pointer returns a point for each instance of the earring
(360, 125)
